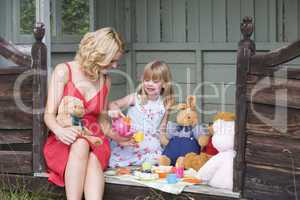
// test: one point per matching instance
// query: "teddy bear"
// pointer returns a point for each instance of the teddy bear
(183, 137)
(70, 113)
(218, 171)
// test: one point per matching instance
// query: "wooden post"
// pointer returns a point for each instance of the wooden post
(39, 90)
(245, 50)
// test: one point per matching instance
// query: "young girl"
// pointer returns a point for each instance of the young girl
(147, 110)
(72, 161)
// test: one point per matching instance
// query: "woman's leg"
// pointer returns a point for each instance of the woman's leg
(76, 169)
(94, 180)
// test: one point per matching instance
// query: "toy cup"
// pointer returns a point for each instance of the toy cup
(138, 136)
(172, 179)
(122, 126)
(179, 172)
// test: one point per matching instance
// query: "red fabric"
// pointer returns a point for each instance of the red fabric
(56, 153)
(210, 149)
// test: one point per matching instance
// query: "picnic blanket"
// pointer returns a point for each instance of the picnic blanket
(159, 184)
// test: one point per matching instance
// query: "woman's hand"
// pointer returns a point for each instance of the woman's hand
(68, 135)
(116, 113)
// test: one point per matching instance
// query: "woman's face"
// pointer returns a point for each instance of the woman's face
(152, 87)
(114, 63)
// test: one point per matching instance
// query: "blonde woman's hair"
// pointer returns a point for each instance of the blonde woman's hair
(97, 49)
(158, 71)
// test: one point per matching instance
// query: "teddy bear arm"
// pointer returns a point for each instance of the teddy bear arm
(203, 140)
(164, 139)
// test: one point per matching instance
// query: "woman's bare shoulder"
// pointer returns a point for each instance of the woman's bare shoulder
(61, 72)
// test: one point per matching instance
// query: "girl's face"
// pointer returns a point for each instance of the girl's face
(152, 87)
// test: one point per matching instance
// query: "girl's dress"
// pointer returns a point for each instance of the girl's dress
(56, 153)
(145, 118)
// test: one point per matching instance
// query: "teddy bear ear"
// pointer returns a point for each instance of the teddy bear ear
(191, 102)
(180, 106)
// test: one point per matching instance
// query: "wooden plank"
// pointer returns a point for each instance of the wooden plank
(193, 18)
(274, 91)
(153, 18)
(210, 110)
(120, 16)
(179, 21)
(11, 117)
(219, 21)
(270, 183)
(273, 151)
(233, 19)
(247, 8)
(261, 25)
(215, 73)
(17, 162)
(221, 57)
(141, 21)
(273, 121)
(15, 136)
(291, 17)
(8, 70)
(167, 56)
(272, 25)
(218, 93)
(15, 86)
(167, 20)
(206, 23)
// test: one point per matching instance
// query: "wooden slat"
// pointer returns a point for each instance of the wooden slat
(153, 18)
(141, 21)
(120, 16)
(273, 151)
(274, 91)
(219, 93)
(179, 21)
(222, 73)
(15, 136)
(167, 56)
(167, 20)
(273, 121)
(18, 162)
(269, 183)
(224, 57)
(261, 25)
(206, 24)
(11, 117)
(10, 88)
(272, 25)
(193, 26)
(290, 23)
(219, 21)
(13, 70)
(247, 8)
(233, 19)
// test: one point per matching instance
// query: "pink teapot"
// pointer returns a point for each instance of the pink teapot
(122, 126)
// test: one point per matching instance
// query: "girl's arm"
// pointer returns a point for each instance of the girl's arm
(116, 106)
(55, 92)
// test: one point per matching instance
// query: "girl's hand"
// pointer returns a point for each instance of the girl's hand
(131, 142)
(68, 135)
(116, 113)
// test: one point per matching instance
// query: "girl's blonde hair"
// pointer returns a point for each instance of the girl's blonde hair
(158, 71)
(97, 49)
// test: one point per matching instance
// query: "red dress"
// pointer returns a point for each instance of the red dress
(56, 153)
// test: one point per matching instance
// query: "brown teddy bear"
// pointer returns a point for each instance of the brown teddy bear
(70, 113)
(184, 138)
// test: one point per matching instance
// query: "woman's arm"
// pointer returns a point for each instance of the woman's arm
(55, 92)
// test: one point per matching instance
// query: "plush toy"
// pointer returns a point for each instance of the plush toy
(218, 171)
(184, 136)
(70, 113)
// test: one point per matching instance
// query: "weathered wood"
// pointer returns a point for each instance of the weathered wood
(39, 88)
(17, 162)
(12, 70)
(8, 51)
(273, 91)
(11, 117)
(137, 192)
(288, 72)
(268, 183)
(263, 63)
(15, 86)
(266, 120)
(15, 136)
(273, 151)
(245, 50)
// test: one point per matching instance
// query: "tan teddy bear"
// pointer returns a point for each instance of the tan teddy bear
(70, 113)
(184, 138)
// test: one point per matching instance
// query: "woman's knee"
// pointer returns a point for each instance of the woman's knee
(80, 148)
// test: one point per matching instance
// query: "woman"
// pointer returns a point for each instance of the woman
(72, 161)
